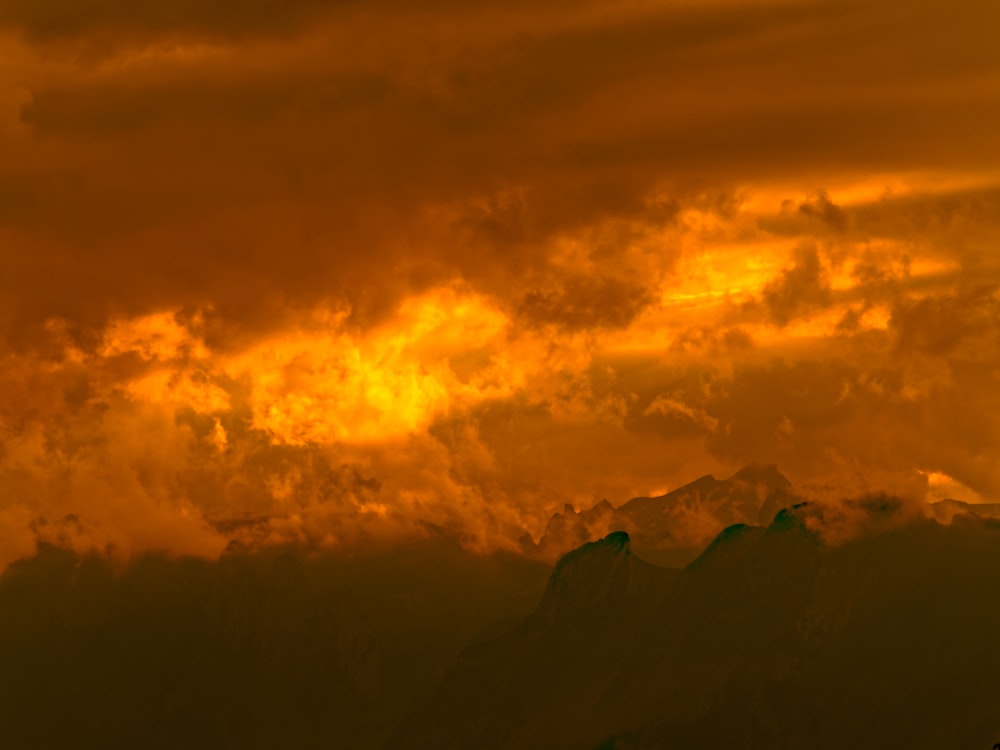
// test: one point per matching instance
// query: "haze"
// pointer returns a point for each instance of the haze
(351, 278)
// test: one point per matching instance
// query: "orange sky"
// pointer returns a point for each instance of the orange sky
(313, 271)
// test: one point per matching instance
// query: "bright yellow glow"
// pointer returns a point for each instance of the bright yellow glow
(941, 486)
(856, 190)
(330, 386)
(720, 271)
(180, 390)
(153, 337)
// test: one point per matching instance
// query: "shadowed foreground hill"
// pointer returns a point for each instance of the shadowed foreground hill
(268, 650)
(179, 653)
(769, 640)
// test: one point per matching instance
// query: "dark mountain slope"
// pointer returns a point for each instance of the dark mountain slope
(599, 577)
(276, 649)
(537, 686)
(770, 639)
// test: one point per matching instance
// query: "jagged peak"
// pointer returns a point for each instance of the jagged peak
(701, 483)
(767, 474)
(789, 518)
(592, 578)
(735, 536)
(615, 542)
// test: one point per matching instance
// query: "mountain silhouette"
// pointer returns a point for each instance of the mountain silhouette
(264, 649)
(946, 510)
(769, 639)
(672, 529)
(602, 576)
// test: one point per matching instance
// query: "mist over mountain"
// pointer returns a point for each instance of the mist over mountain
(773, 633)
(946, 510)
(672, 529)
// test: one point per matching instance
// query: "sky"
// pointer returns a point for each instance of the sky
(325, 272)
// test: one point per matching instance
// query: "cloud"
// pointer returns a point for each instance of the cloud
(674, 409)
(799, 290)
(820, 207)
(938, 325)
(586, 303)
(60, 19)
(493, 258)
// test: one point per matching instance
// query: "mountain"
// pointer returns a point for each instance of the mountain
(672, 529)
(770, 639)
(945, 510)
(599, 577)
(246, 652)
(266, 649)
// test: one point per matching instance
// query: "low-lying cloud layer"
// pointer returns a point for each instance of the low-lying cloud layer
(326, 271)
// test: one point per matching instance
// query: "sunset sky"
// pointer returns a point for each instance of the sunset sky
(318, 271)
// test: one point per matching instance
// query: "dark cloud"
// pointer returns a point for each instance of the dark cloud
(820, 207)
(184, 174)
(938, 325)
(544, 249)
(59, 19)
(586, 302)
(119, 107)
(17, 200)
(799, 290)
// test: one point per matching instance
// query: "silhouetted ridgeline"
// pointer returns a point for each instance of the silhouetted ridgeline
(672, 529)
(178, 653)
(254, 651)
(769, 640)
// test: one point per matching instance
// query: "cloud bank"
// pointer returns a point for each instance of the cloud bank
(327, 272)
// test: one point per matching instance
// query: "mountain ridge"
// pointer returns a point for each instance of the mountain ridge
(772, 638)
(671, 529)
(602, 576)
